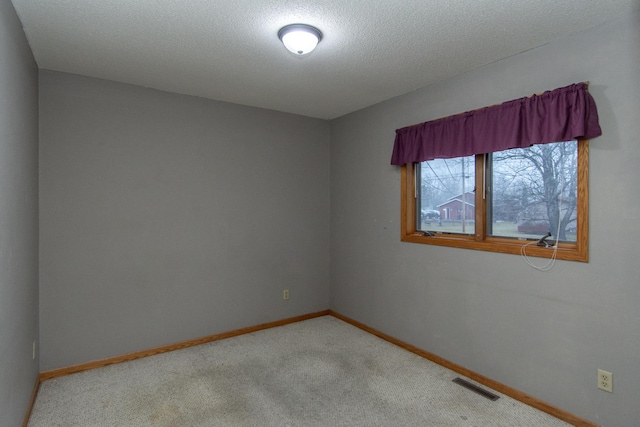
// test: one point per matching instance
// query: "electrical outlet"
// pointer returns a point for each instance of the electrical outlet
(605, 380)
(285, 294)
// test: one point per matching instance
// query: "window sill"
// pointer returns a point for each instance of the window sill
(566, 251)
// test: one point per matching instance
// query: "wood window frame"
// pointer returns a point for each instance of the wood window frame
(569, 251)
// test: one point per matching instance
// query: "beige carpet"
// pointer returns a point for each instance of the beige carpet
(319, 372)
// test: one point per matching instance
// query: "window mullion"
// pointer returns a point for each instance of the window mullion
(480, 200)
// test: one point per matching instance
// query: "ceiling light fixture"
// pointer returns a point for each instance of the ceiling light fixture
(300, 38)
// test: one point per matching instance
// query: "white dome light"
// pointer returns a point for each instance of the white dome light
(300, 38)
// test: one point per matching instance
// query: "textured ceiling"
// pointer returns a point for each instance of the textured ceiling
(228, 50)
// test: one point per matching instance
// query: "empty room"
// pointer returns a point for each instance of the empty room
(206, 221)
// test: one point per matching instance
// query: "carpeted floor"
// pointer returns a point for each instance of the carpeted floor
(319, 372)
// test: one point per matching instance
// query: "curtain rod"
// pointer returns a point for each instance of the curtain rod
(488, 106)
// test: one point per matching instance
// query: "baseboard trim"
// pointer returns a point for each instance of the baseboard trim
(32, 401)
(495, 385)
(171, 347)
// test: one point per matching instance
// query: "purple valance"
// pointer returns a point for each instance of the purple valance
(563, 114)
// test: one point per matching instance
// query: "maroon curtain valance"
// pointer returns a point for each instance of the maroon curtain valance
(559, 115)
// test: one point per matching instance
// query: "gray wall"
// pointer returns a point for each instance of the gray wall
(542, 333)
(166, 217)
(18, 218)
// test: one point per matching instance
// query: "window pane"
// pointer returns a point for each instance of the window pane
(535, 191)
(446, 199)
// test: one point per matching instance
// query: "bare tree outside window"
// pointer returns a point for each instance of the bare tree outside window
(536, 189)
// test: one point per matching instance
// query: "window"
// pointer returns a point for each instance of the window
(500, 201)
(499, 178)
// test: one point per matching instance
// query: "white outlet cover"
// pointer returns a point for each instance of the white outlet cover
(607, 384)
